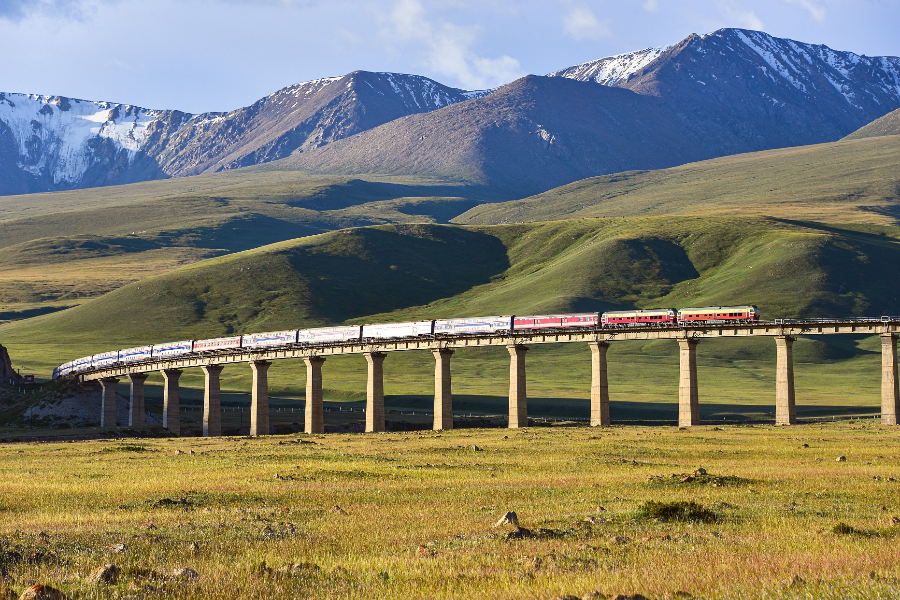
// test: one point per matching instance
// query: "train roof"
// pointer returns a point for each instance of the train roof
(637, 310)
(720, 307)
(591, 314)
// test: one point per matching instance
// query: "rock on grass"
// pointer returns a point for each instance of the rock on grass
(104, 574)
(185, 574)
(42, 592)
(510, 518)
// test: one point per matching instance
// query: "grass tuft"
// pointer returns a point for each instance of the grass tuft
(844, 529)
(676, 511)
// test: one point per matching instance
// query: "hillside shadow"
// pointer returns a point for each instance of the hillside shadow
(873, 238)
(624, 412)
(357, 191)
(860, 270)
(442, 211)
(240, 233)
(376, 270)
(27, 313)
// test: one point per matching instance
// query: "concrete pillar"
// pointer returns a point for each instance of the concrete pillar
(259, 402)
(171, 401)
(688, 397)
(443, 399)
(785, 409)
(315, 419)
(137, 411)
(890, 387)
(599, 385)
(108, 402)
(518, 397)
(212, 401)
(375, 392)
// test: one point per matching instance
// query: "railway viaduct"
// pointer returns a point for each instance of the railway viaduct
(784, 333)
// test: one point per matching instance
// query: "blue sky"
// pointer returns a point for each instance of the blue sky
(201, 55)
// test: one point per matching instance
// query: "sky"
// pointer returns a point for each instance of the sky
(218, 55)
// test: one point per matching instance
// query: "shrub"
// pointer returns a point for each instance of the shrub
(676, 511)
(844, 529)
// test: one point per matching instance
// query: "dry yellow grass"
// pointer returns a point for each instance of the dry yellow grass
(271, 500)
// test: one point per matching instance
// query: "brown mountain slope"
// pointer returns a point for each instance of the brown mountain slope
(300, 117)
(730, 92)
(534, 133)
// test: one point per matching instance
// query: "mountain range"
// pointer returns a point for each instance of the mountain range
(727, 92)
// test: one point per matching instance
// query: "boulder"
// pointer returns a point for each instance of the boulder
(185, 574)
(510, 518)
(108, 574)
(41, 592)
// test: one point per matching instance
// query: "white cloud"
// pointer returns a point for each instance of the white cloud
(83, 10)
(581, 23)
(18, 10)
(651, 5)
(815, 9)
(740, 16)
(447, 48)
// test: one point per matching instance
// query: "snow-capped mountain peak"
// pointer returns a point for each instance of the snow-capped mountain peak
(59, 143)
(804, 66)
(54, 134)
(611, 70)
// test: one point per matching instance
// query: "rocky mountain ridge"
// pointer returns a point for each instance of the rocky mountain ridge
(727, 92)
(50, 143)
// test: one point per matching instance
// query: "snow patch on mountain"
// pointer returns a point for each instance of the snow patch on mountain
(611, 70)
(848, 73)
(428, 94)
(53, 133)
(807, 68)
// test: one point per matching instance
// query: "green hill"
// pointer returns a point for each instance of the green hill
(786, 268)
(855, 181)
(56, 250)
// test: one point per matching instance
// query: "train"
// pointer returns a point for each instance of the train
(433, 329)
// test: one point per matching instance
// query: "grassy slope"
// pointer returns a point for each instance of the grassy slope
(845, 182)
(398, 272)
(889, 124)
(49, 243)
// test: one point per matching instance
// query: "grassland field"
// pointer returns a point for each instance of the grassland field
(416, 514)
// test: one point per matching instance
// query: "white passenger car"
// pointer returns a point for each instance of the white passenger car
(170, 349)
(321, 335)
(104, 359)
(268, 339)
(398, 330)
(472, 325)
(130, 355)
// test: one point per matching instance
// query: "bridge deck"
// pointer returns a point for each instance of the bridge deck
(793, 328)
